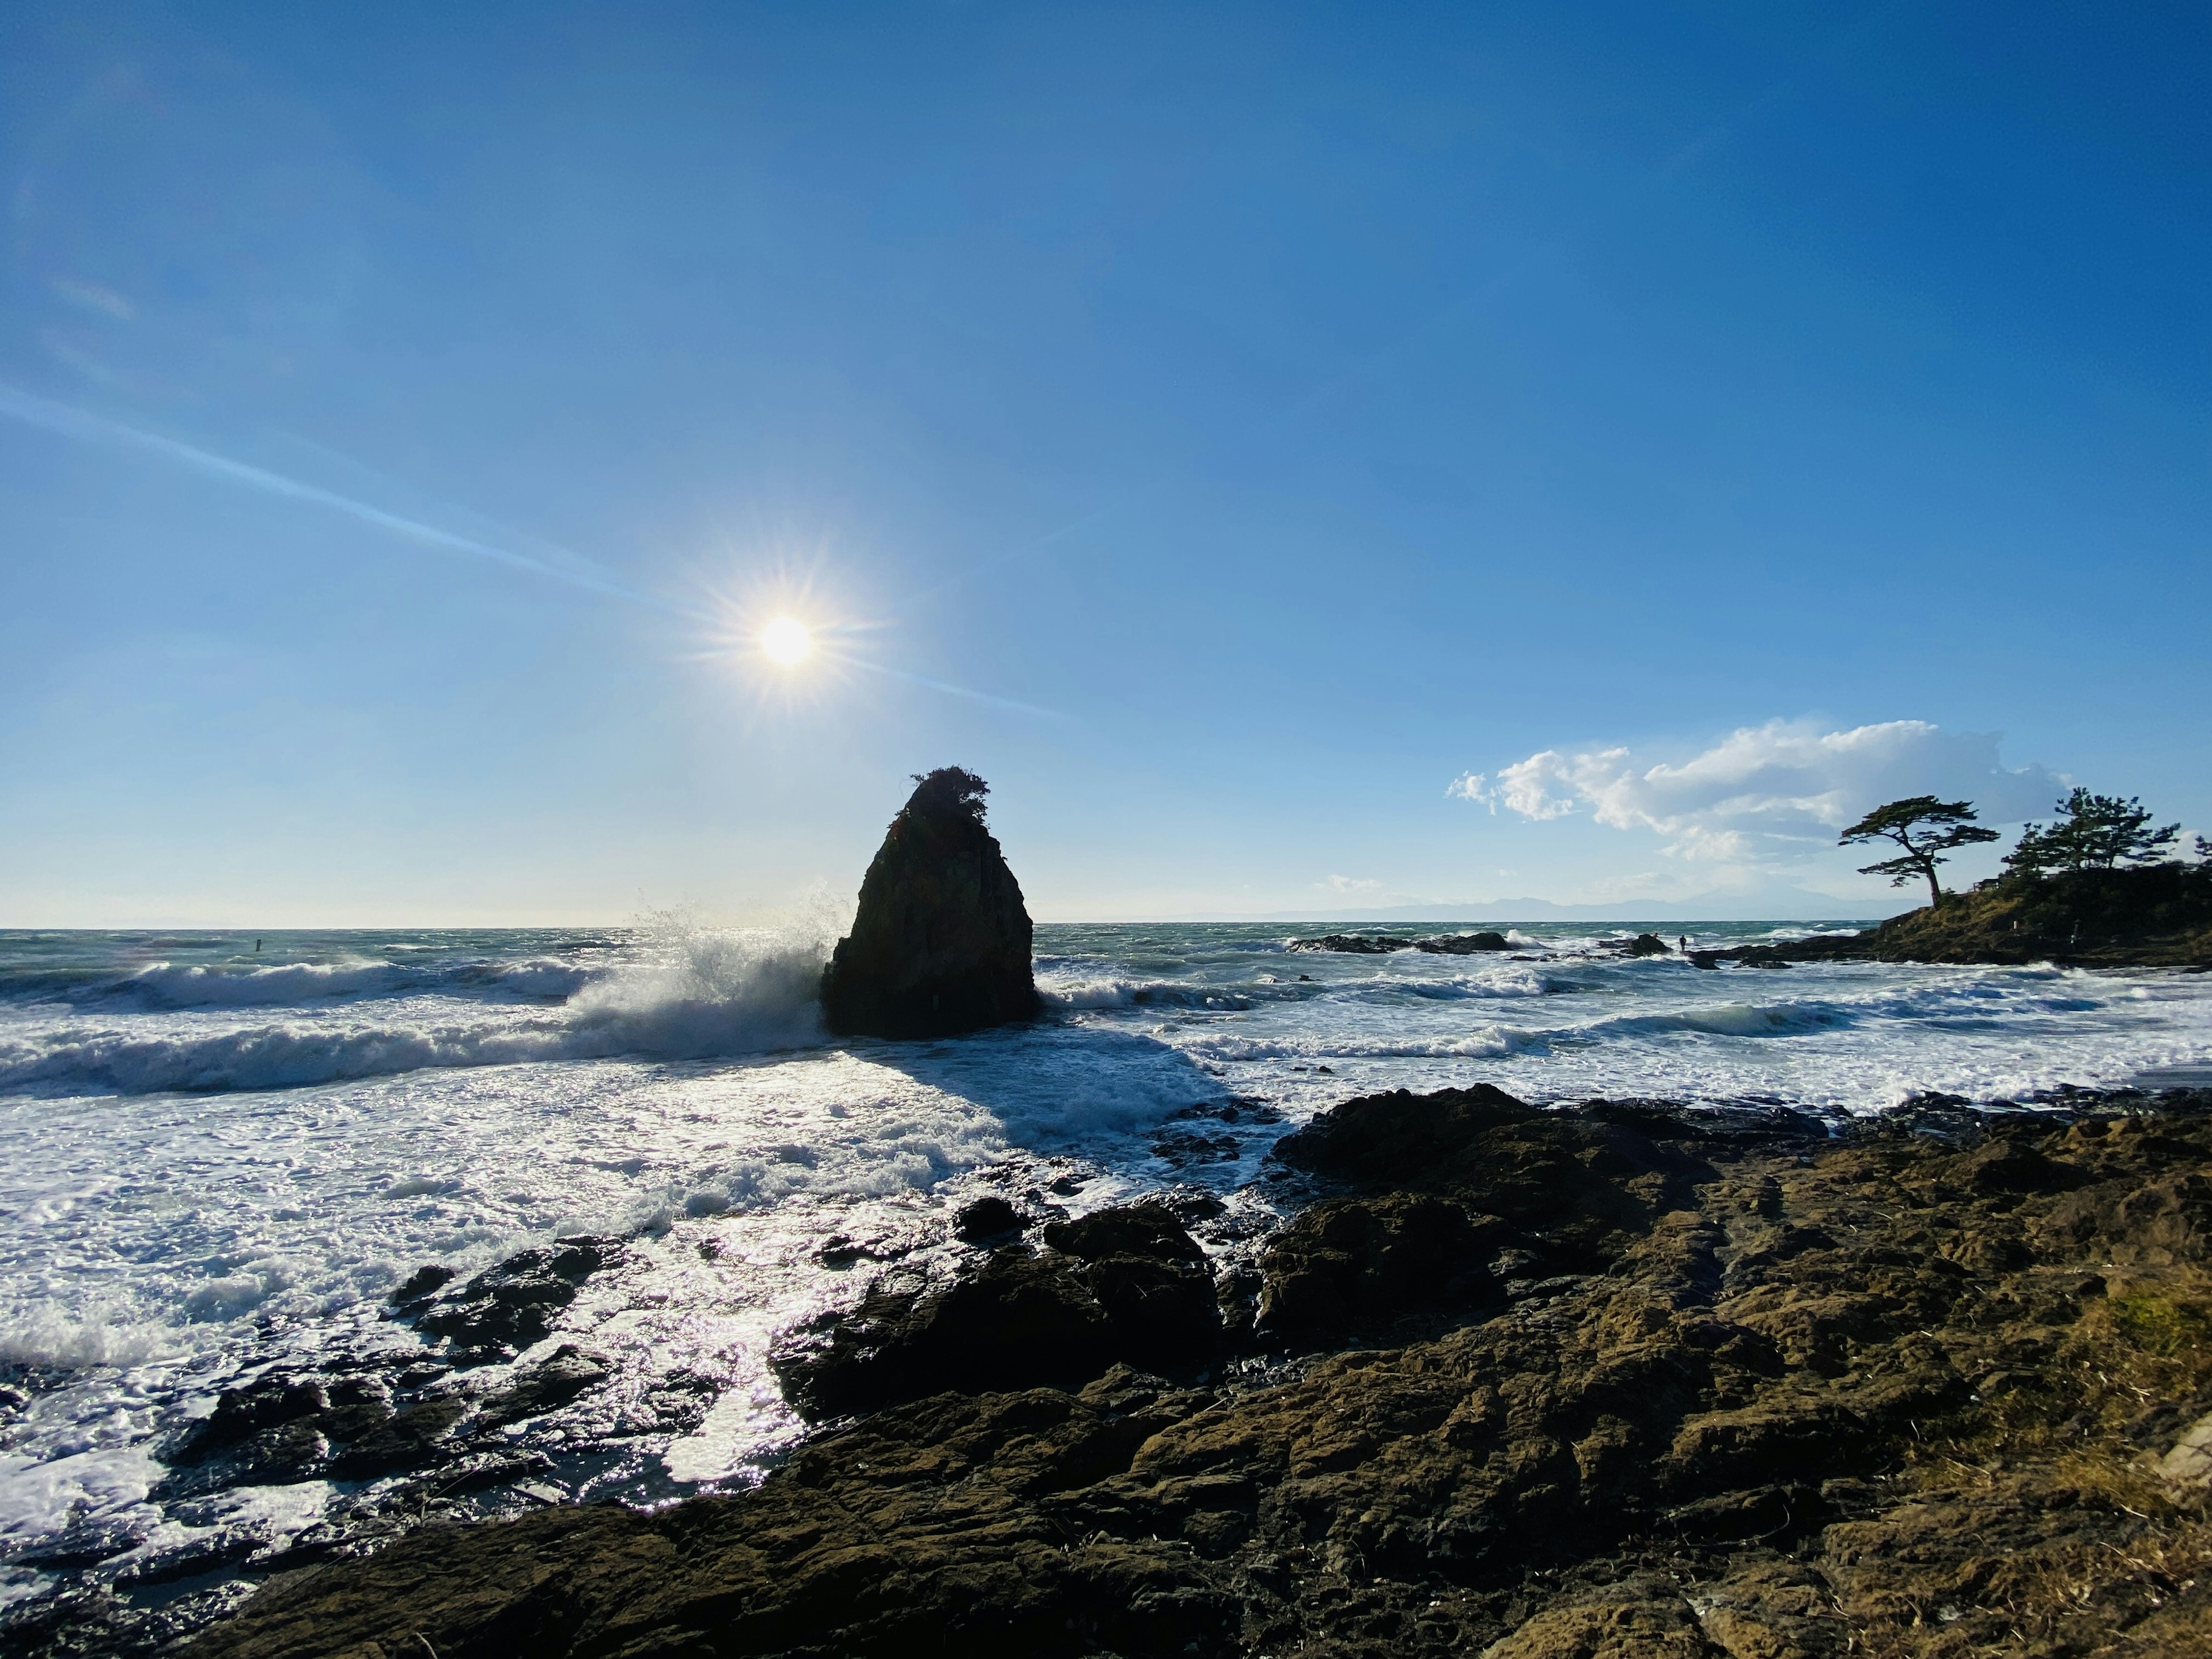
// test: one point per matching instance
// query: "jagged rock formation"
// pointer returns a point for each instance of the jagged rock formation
(941, 943)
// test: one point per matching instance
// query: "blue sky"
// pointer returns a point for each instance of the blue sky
(1304, 457)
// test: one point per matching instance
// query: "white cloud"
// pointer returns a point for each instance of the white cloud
(1472, 785)
(1350, 884)
(1772, 793)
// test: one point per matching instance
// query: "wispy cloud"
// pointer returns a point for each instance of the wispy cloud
(1766, 794)
(558, 565)
(73, 422)
(91, 296)
(1349, 885)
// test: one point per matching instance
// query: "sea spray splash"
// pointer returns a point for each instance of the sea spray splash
(693, 991)
(668, 988)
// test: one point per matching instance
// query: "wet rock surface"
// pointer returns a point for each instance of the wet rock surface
(403, 1435)
(1722, 1387)
(1120, 1286)
(1462, 945)
(989, 1219)
(506, 1308)
(1376, 944)
(940, 944)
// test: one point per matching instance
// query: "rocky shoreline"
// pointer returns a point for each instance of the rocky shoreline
(2156, 915)
(1615, 1379)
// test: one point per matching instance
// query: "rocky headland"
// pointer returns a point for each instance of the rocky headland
(2157, 915)
(1608, 1380)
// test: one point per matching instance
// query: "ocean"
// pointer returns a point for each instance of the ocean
(222, 1153)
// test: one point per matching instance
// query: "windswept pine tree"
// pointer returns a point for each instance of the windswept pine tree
(1926, 829)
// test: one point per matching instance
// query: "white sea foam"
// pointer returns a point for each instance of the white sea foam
(698, 993)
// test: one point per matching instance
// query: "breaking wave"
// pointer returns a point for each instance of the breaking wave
(699, 993)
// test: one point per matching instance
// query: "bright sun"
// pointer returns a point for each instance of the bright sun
(786, 641)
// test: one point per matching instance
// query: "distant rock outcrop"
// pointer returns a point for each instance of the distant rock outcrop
(2156, 915)
(941, 943)
(1377, 944)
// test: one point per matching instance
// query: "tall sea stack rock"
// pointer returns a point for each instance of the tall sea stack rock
(941, 944)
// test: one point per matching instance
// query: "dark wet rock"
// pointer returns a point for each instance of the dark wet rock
(1150, 1228)
(1355, 1265)
(838, 1250)
(1119, 1287)
(203, 1552)
(1355, 944)
(1183, 1146)
(421, 1284)
(1462, 945)
(940, 944)
(548, 1386)
(1893, 1391)
(1587, 1185)
(243, 1413)
(1400, 1137)
(87, 1543)
(1647, 944)
(1237, 1109)
(2005, 1165)
(280, 1429)
(1377, 944)
(486, 1471)
(912, 1534)
(512, 1304)
(988, 1220)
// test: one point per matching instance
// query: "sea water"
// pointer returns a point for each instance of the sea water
(220, 1153)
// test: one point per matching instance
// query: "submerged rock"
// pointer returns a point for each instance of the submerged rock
(941, 942)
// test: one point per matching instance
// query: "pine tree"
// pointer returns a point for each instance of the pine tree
(2092, 832)
(1926, 829)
